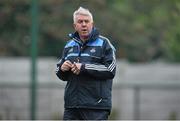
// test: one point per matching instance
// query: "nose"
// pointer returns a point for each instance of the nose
(84, 23)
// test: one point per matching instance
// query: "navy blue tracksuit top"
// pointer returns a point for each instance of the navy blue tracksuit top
(92, 87)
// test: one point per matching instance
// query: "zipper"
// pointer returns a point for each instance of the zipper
(80, 48)
(77, 60)
(100, 94)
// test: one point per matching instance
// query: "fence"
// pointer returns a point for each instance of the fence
(137, 96)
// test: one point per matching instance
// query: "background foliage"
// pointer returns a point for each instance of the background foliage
(141, 30)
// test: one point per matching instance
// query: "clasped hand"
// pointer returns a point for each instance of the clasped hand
(74, 67)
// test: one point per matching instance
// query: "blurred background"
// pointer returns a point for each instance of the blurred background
(145, 33)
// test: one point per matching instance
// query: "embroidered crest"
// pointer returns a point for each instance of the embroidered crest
(93, 50)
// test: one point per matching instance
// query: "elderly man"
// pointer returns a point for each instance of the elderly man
(88, 65)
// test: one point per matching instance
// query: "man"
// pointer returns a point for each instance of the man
(88, 65)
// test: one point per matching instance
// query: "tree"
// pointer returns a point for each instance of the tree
(140, 30)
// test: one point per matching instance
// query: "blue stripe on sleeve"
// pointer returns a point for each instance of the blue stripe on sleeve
(71, 44)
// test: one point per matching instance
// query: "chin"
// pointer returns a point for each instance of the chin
(85, 35)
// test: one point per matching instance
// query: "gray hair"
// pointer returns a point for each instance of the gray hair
(82, 11)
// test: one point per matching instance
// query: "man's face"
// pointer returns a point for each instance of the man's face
(83, 26)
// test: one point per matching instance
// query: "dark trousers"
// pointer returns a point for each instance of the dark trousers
(85, 114)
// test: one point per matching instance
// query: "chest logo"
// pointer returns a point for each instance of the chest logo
(93, 50)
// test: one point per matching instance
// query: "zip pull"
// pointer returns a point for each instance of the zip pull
(99, 100)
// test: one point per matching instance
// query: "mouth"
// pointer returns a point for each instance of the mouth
(84, 30)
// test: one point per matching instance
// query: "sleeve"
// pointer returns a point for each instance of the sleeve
(105, 70)
(60, 74)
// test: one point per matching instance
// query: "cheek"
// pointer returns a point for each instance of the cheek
(76, 28)
(90, 27)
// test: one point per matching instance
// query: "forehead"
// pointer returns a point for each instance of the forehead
(82, 17)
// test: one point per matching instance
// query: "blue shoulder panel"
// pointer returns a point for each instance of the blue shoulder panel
(97, 42)
(71, 43)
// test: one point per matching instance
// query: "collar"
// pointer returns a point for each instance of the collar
(93, 36)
